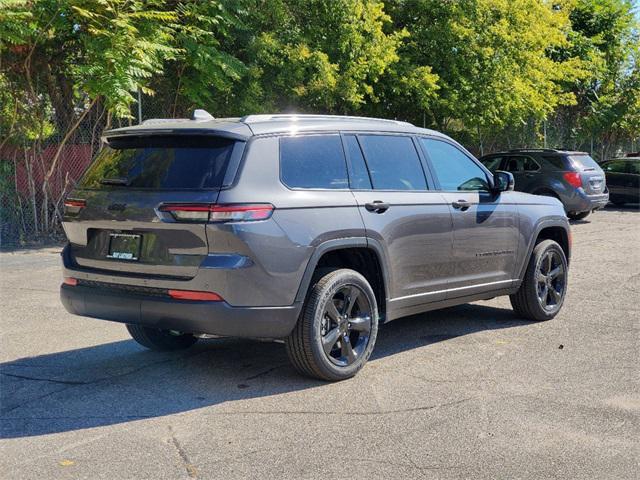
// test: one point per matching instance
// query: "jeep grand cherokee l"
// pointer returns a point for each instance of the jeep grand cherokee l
(312, 229)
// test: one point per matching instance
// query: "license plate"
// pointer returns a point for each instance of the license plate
(124, 246)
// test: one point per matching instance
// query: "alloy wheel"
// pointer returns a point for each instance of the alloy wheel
(346, 325)
(550, 280)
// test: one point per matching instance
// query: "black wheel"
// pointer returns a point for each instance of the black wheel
(543, 289)
(160, 340)
(578, 216)
(337, 329)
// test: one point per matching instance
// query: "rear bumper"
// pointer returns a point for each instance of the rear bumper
(215, 318)
(582, 202)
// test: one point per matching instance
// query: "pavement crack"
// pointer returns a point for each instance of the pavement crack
(266, 372)
(191, 470)
(37, 379)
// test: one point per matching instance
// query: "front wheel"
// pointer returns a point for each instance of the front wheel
(578, 216)
(544, 286)
(337, 329)
(160, 340)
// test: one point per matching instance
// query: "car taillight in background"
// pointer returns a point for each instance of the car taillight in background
(573, 179)
(74, 205)
(199, 212)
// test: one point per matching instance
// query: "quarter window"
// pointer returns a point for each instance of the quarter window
(313, 161)
(454, 169)
(393, 162)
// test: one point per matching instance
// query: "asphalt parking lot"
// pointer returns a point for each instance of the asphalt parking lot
(467, 392)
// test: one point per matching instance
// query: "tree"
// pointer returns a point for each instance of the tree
(319, 55)
(491, 58)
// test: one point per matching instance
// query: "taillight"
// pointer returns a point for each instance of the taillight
(199, 212)
(72, 282)
(195, 295)
(74, 205)
(573, 179)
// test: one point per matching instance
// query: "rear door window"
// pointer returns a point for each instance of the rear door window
(313, 161)
(393, 162)
(163, 163)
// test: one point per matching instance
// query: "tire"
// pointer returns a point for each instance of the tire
(527, 301)
(160, 340)
(578, 216)
(326, 345)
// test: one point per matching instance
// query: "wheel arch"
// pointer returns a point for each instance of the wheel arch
(549, 230)
(361, 254)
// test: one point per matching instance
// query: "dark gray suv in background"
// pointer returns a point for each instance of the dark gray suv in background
(312, 229)
(574, 178)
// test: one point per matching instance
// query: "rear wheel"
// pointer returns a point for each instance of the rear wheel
(544, 286)
(337, 329)
(160, 340)
(578, 216)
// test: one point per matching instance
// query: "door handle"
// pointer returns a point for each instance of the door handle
(461, 205)
(377, 206)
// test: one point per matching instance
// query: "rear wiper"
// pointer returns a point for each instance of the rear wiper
(115, 181)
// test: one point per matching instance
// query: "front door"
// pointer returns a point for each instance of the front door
(485, 225)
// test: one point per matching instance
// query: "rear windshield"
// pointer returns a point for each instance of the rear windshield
(163, 163)
(584, 162)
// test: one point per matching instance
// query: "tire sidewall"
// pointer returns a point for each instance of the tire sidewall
(539, 253)
(314, 313)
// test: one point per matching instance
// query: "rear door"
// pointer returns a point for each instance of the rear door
(401, 211)
(122, 226)
(485, 225)
(525, 171)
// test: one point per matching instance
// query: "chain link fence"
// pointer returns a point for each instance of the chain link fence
(36, 175)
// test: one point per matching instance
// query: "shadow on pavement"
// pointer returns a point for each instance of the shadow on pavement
(120, 382)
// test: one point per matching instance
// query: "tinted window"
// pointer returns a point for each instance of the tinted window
(521, 164)
(171, 162)
(615, 167)
(584, 162)
(313, 161)
(358, 175)
(557, 162)
(393, 162)
(493, 163)
(634, 167)
(454, 169)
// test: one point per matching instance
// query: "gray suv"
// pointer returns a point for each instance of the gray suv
(574, 178)
(312, 229)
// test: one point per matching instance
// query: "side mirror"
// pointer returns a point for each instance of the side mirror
(503, 181)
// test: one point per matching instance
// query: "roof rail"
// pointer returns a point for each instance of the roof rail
(294, 116)
(550, 150)
(155, 121)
